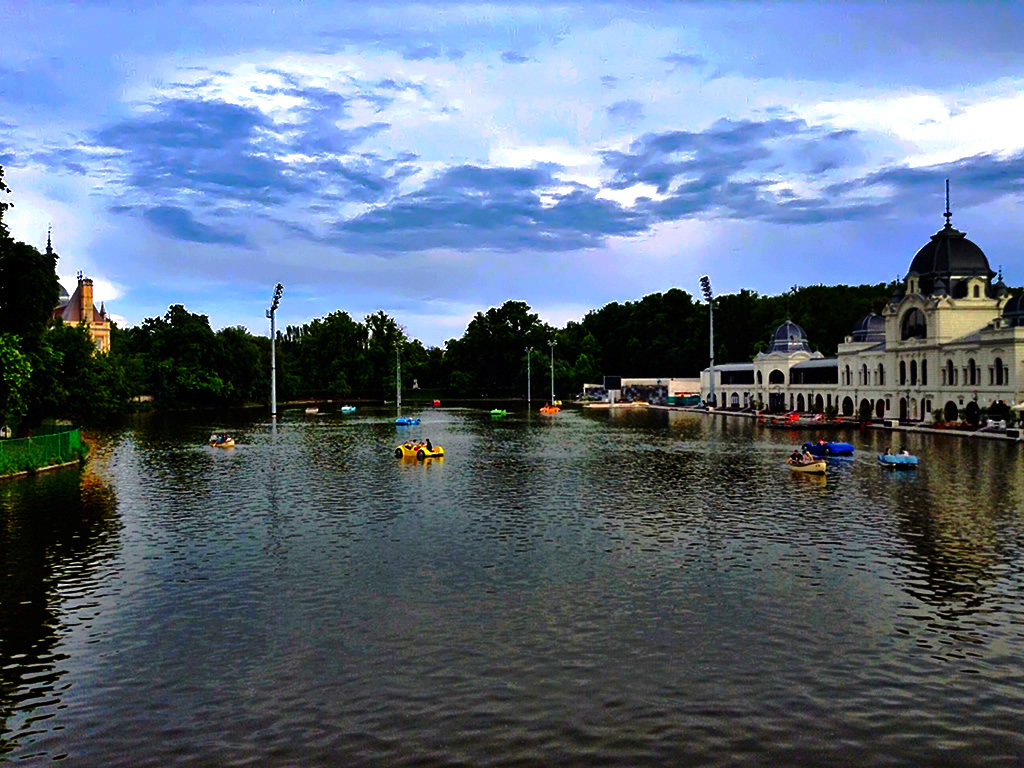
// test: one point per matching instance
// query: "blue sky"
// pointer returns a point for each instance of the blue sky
(432, 160)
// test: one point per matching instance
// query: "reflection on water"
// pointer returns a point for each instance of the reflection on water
(628, 588)
(58, 532)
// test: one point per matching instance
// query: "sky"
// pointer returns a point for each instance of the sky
(433, 160)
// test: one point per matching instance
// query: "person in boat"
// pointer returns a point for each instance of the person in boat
(821, 441)
(888, 451)
(904, 452)
(807, 457)
(430, 445)
(795, 457)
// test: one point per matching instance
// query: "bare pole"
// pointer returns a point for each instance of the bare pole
(528, 351)
(552, 345)
(273, 354)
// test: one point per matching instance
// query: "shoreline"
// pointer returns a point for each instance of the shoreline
(975, 433)
(47, 468)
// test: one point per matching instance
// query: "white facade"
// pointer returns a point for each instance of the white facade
(952, 340)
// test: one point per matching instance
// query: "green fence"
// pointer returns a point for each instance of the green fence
(28, 453)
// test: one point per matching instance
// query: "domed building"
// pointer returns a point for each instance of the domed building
(949, 343)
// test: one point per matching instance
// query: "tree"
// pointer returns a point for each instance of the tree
(241, 366)
(29, 290)
(489, 358)
(14, 376)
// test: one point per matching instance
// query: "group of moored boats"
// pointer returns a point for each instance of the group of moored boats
(813, 458)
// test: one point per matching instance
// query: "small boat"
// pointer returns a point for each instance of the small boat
(898, 460)
(312, 411)
(437, 403)
(222, 441)
(348, 409)
(419, 451)
(816, 467)
(498, 412)
(549, 409)
(407, 421)
(557, 402)
(822, 449)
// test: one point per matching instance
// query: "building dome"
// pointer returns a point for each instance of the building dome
(946, 261)
(789, 337)
(1013, 312)
(871, 328)
(64, 297)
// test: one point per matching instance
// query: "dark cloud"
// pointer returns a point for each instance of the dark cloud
(727, 148)
(199, 146)
(421, 52)
(974, 180)
(473, 208)
(628, 111)
(512, 57)
(685, 60)
(64, 159)
(732, 170)
(184, 151)
(181, 225)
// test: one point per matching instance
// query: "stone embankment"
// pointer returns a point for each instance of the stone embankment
(892, 425)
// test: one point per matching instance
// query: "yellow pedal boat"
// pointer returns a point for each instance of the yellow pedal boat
(817, 467)
(419, 451)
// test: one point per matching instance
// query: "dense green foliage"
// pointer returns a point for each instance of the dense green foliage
(178, 360)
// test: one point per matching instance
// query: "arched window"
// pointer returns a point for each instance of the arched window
(759, 379)
(950, 373)
(913, 372)
(849, 376)
(976, 292)
(914, 325)
(903, 372)
(924, 373)
(864, 380)
(1001, 377)
(881, 375)
(776, 377)
(972, 372)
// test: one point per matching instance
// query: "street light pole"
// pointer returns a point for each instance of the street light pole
(705, 286)
(273, 357)
(552, 345)
(528, 351)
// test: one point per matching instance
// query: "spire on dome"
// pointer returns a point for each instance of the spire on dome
(947, 214)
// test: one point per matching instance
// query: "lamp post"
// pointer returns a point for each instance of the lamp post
(552, 345)
(273, 358)
(528, 351)
(705, 286)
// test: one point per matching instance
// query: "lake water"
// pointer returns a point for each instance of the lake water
(593, 588)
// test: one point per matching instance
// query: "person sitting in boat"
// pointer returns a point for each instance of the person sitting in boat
(821, 441)
(430, 445)
(795, 457)
(888, 451)
(904, 452)
(807, 457)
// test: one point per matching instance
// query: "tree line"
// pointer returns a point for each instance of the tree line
(49, 369)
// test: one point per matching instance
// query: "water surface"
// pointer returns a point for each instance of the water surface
(594, 588)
